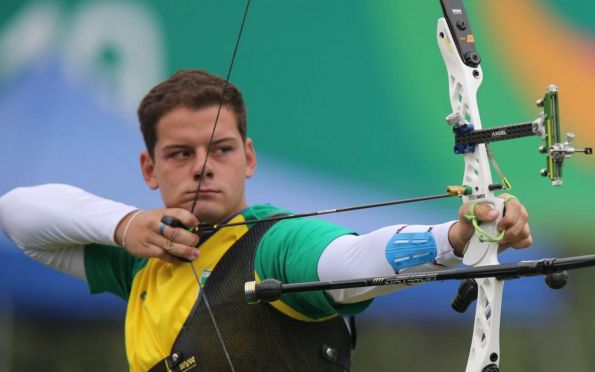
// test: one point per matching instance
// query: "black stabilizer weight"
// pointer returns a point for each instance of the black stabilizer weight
(556, 280)
(466, 294)
(268, 290)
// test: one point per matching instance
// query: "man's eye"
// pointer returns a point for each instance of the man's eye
(223, 149)
(180, 155)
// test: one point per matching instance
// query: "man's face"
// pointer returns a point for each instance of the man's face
(182, 139)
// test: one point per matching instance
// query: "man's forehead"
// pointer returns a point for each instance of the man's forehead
(191, 135)
(201, 117)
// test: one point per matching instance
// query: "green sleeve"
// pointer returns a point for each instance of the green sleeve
(290, 252)
(109, 269)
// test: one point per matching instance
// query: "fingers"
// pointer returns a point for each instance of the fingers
(178, 241)
(174, 247)
(178, 235)
(486, 212)
(514, 213)
(515, 221)
(184, 216)
(149, 237)
(483, 211)
(159, 252)
(523, 239)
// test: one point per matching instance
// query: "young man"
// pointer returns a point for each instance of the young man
(181, 315)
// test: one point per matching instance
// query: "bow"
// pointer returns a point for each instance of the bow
(456, 43)
(457, 46)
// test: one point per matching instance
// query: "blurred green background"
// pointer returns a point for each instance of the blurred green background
(344, 97)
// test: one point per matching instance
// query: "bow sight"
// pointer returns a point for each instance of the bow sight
(547, 126)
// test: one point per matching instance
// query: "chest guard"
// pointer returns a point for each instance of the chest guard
(257, 336)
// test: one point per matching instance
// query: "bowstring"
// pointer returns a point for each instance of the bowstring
(202, 291)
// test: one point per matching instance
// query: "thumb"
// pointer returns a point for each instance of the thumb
(483, 211)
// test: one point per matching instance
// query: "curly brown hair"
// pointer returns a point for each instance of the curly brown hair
(192, 89)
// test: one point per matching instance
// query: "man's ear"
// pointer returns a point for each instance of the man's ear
(147, 166)
(250, 157)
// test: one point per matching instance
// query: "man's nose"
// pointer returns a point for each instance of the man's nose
(202, 165)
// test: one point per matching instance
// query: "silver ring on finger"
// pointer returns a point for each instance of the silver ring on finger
(162, 227)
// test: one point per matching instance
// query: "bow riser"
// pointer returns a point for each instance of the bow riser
(464, 81)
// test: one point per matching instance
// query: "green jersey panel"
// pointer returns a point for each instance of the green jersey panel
(289, 252)
(110, 269)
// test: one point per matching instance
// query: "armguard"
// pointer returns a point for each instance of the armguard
(407, 249)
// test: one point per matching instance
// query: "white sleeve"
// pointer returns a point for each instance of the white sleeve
(364, 256)
(52, 223)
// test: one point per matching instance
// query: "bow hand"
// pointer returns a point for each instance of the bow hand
(514, 223)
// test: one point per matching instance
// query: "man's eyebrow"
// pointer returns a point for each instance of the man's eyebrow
(218, 141)
(176, 146)
(223, 140)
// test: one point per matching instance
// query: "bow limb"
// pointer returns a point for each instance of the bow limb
(464, 80)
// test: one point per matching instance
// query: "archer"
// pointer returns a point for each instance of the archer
(198, 156)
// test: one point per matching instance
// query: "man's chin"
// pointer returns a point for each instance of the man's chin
(200, 203)
(209, 215)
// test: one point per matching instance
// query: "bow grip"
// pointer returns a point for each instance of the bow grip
(483, 252)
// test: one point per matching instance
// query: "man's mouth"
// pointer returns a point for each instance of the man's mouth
(206, 191)
(202, 192)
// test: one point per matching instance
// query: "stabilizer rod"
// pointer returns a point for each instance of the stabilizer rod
(272, 289)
